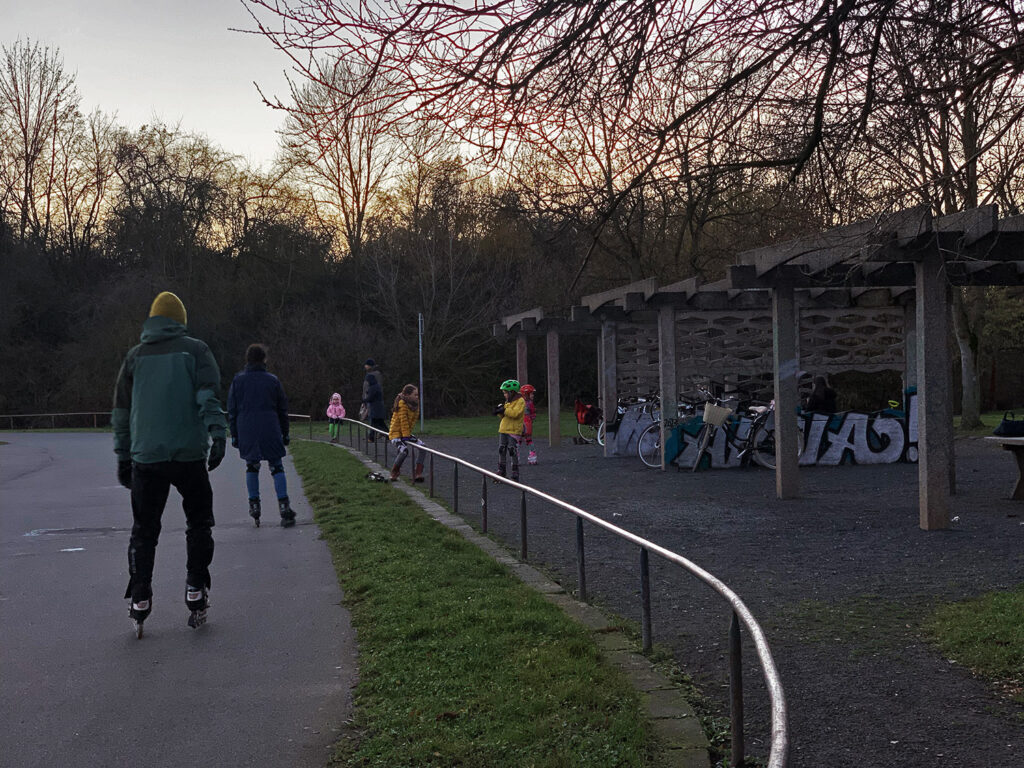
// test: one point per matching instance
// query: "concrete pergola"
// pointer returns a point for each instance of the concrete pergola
(907, 259)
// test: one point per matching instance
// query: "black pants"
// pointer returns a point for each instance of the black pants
(151, 484)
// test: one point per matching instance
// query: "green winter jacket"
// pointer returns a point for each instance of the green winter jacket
(165, 401)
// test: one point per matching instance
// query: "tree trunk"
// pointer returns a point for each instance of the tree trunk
(970, 378)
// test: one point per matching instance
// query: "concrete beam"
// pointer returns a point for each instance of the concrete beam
(786, 364)
(667, 380)
(934, 401)
(554, 390)
(522, 372)
(609, 379)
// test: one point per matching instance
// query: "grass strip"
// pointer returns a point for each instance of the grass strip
(985, 634)
(460, 664)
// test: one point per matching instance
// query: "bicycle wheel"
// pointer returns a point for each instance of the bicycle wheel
(649, 446)
(763, 450)
(589, 432)
(601, 432)
(703, 440)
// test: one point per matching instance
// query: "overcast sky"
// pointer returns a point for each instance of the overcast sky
(174, 59)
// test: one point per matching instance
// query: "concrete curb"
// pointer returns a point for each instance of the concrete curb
(675, 724)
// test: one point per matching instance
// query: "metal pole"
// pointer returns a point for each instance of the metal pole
(421, 369)
(483, 504)
(736, 691)
(522, 528)
(581, 570)
(310, 427)
(455, 489)
(431, 475)
(645, 599)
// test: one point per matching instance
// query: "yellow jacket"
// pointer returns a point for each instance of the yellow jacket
(403, 420)
(512, 421)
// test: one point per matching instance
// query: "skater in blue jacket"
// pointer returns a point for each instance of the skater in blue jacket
(258, 415)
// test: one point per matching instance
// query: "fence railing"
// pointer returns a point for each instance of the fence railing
(741, 615)
(97, 421)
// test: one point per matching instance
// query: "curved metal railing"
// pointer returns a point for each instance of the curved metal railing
(741, 615)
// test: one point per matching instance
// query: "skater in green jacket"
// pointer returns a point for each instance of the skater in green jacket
(169, 430)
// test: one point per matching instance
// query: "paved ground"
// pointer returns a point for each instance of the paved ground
(265, 683)
(837, 578)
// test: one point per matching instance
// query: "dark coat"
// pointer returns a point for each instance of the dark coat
(258, 414)
(373, 394)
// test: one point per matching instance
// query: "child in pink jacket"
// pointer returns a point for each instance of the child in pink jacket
(335, 413)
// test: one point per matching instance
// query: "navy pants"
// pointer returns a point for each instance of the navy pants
(151, 484)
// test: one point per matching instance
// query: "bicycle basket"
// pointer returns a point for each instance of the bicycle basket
(716, 414)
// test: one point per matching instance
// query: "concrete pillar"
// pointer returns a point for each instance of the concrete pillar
(554, 391)
(787, 364)
(521, 371)
(910, 344)
(667, 381)
(609, 381)
(934, 403)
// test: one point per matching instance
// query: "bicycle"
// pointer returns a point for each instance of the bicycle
(757, 445)
(590, 430)
(648, 446)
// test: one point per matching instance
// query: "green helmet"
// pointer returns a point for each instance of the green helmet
(509, 385)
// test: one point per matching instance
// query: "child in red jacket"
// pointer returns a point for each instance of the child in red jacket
(528, 391)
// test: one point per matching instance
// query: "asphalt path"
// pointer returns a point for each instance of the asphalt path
(266, 682)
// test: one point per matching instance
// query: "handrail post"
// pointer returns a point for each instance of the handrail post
(483, 504)
(431, 475)
(386, 452)
(645, 600)
(455, 489)
(581, 569)
(736, 691)
(310, 427)
(376, 447)
(522, 527)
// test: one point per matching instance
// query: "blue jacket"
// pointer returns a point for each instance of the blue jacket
(258, 414)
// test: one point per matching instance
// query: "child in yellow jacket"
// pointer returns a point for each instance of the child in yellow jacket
(404, 413)
(511, 427)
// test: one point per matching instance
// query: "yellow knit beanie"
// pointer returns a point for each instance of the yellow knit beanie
(170, 306)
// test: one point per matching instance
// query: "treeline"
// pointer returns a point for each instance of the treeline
(324, 266)
(367, 220)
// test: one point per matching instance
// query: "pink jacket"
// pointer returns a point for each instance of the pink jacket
(335, 410)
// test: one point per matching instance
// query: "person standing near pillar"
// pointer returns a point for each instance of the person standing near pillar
(373, 396)
(166, 416)
(258, 414)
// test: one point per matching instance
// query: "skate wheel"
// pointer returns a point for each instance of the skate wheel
(257, 520)
(138, 629)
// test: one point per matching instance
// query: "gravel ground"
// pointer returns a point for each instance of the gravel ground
(839, 580)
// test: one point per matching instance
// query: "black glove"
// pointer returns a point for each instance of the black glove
(216, 453)
(499, 410)
(124, 473)
(285, 439)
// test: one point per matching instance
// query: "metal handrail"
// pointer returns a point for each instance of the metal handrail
(740, 613)
(53, 417)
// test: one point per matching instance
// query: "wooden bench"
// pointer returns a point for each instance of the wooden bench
(1016, 446)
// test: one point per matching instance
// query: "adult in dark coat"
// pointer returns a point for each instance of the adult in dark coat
(822, 398)
(373, 396)
(258, 415)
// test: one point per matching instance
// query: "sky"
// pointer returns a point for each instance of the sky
(171, 59)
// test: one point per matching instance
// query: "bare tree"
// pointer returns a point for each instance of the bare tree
(37, 100)
(496, 74)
